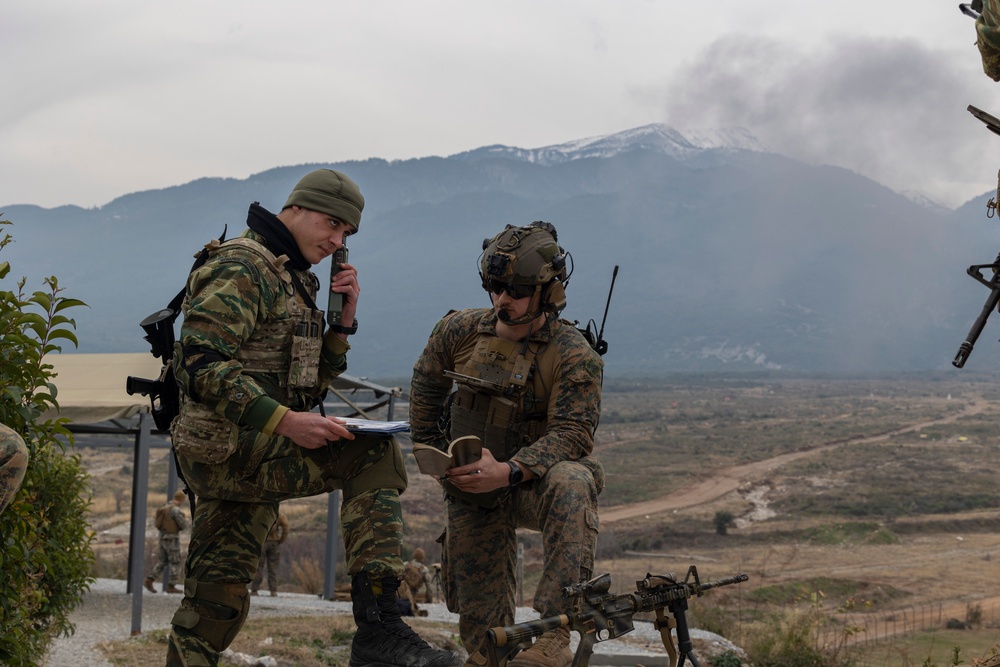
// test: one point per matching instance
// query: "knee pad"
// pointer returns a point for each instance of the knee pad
(214, 612)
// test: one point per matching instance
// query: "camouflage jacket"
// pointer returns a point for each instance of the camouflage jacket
(988, 38)
(573, 395)
(228, 298)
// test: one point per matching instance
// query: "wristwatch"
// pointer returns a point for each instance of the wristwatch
(516, 474)
(350, 331)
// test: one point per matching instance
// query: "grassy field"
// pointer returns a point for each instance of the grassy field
(860, 502)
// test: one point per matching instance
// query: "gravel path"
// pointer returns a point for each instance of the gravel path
(106, 614)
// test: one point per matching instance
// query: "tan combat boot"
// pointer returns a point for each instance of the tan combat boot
(549, 650)
(149, 585)
(173, 589)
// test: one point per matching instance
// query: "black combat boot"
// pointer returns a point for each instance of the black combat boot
(383, 639)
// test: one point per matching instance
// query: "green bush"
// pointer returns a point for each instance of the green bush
(45, 542)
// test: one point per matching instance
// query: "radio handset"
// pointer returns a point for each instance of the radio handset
(335, 307)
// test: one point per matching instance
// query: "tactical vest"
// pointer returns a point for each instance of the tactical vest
(284, 347)
(506, 404)
(165, 520)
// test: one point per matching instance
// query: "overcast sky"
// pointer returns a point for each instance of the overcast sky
(106, 97)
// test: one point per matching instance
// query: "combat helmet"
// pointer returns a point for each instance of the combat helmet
(526, 260)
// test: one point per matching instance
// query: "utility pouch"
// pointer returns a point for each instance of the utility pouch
(201, 435)
(307, 343)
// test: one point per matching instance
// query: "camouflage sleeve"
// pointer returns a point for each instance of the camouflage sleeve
(988, 38)
(429, 388)
(226, 298)
(333, 358)
(178, 515)
(574, 405)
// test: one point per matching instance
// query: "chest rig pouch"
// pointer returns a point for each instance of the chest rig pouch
(489, 403)
(287, 343)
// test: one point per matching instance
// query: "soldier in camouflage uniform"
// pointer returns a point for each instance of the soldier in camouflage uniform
(13, 464)
(252, 362)
(271, 557)
(529, 385)
(169, 552)
(988, 36)
(418, 576)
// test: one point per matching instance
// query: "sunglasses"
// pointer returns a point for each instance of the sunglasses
(513, 291)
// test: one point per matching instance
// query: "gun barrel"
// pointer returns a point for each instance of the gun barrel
(965, 349)
(726, 581)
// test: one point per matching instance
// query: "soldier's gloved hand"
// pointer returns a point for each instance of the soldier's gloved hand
(311, 430)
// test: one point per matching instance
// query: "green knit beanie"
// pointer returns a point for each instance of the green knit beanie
(330, 192)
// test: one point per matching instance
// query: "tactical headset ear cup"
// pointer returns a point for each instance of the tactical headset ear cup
(555, 298)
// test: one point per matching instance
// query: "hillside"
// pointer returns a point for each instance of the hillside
(732, 258)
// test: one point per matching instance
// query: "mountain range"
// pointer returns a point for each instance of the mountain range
(731, 257)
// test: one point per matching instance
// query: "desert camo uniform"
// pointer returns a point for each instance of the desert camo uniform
(251, 347)
(13, 464)
(271, 557)
(553, 428)
(169, 550)
(417, 576)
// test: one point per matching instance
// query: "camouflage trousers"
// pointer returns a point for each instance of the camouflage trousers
(169, 553)
(270, 559)
(480, 551)
(237, 503)
(13, 464)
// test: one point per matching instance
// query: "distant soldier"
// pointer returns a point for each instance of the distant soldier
(271, 557)
(170, 521)
(13, 463)
(529, 386)
(418, 576)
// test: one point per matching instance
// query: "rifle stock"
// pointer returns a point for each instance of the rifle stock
(600, 615)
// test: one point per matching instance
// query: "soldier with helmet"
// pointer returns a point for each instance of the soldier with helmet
(253, 360)
(528, 384)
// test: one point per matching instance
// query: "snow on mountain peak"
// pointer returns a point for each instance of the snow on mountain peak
(656, 136)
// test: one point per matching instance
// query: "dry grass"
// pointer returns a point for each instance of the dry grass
(914, 513)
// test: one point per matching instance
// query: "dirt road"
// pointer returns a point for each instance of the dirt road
(727, 480)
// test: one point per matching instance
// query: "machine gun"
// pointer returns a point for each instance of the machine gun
(600, 616)
(164, 396)
(977, 270)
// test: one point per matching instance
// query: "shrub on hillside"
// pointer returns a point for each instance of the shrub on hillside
(45, 542)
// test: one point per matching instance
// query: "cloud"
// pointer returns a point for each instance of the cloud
(890, 109)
